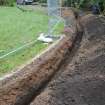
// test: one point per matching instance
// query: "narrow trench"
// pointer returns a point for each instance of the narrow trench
(70, 54)
(34, 92)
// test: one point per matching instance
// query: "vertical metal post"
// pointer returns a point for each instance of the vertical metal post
(53, 12)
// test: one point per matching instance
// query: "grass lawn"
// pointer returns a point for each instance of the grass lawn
(16, 29)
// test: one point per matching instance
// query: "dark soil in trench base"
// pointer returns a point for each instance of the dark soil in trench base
(82, 80)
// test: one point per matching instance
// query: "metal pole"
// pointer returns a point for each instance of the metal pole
(60, 8)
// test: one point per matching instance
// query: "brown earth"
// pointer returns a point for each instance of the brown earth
(71, 73)
(81, 78)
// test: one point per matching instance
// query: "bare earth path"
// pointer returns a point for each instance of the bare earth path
(81, 78)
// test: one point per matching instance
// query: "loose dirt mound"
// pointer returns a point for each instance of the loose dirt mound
(82, 80)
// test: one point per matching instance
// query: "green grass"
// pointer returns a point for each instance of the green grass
(16, 29)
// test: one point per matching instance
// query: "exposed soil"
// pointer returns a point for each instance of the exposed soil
(68, 75)
(81, 78)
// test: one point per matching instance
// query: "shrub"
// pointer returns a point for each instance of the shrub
(43, 1)
(7, 2)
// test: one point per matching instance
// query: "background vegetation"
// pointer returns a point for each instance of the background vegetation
(7, 2)
(78, 3)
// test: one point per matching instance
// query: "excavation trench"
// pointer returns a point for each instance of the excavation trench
(82, 80)
(69, 56)
(15, 85)
(22, 86)
(71, 73)
(34, 92)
